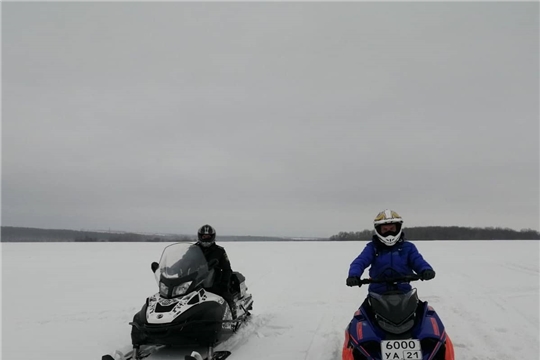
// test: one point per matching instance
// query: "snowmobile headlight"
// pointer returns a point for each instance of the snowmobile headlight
(181, 289)
(163, 289)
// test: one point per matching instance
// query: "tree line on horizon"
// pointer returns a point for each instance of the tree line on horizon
(24, 234)
(448, 233)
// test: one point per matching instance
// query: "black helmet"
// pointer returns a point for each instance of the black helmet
(206, 235)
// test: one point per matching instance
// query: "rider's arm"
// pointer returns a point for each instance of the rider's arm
(362, 261)
(416, 260)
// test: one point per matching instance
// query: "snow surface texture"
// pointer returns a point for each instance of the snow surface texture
(74, 300)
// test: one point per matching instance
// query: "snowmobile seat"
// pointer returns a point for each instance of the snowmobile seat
(236, 279)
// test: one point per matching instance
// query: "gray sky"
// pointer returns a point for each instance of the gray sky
(288, 119)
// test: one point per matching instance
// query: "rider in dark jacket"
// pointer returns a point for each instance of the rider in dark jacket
(222, 283)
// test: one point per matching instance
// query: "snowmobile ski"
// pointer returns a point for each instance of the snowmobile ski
(217, 355)
(143, 353)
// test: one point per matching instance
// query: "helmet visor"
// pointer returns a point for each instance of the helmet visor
(390, 229)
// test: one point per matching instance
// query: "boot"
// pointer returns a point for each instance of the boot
(136, 352)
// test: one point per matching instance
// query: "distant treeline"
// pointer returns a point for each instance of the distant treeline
(448, 233)
(25, 234)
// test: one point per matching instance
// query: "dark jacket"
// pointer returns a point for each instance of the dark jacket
(223, 267)
(389, 261)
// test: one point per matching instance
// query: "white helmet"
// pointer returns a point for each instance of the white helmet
(385, 217)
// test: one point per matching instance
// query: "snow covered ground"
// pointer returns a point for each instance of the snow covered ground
(73, 301)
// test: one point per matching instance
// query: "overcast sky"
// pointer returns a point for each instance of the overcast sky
(287, 119)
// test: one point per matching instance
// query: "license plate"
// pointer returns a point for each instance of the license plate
(401, 350)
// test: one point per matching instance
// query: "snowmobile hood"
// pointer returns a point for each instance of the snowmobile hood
(394, 307)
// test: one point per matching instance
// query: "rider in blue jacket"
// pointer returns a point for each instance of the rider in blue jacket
(389, 255)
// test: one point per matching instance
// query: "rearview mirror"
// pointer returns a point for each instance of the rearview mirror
(154, 266)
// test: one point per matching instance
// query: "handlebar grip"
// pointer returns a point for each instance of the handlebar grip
(390, 280)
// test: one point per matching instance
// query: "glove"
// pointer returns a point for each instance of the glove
(427, 274)
(353, 281)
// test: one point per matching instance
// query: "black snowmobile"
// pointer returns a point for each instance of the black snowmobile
(184, 313)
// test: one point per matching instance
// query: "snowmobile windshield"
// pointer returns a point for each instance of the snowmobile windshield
(182, 268)
(395, 308)
(180, 260)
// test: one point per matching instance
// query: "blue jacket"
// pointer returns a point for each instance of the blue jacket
(389, 261)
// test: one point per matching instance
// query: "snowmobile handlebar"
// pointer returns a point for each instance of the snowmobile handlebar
(391, 280)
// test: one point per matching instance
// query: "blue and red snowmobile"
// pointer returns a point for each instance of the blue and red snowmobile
(396, 325)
